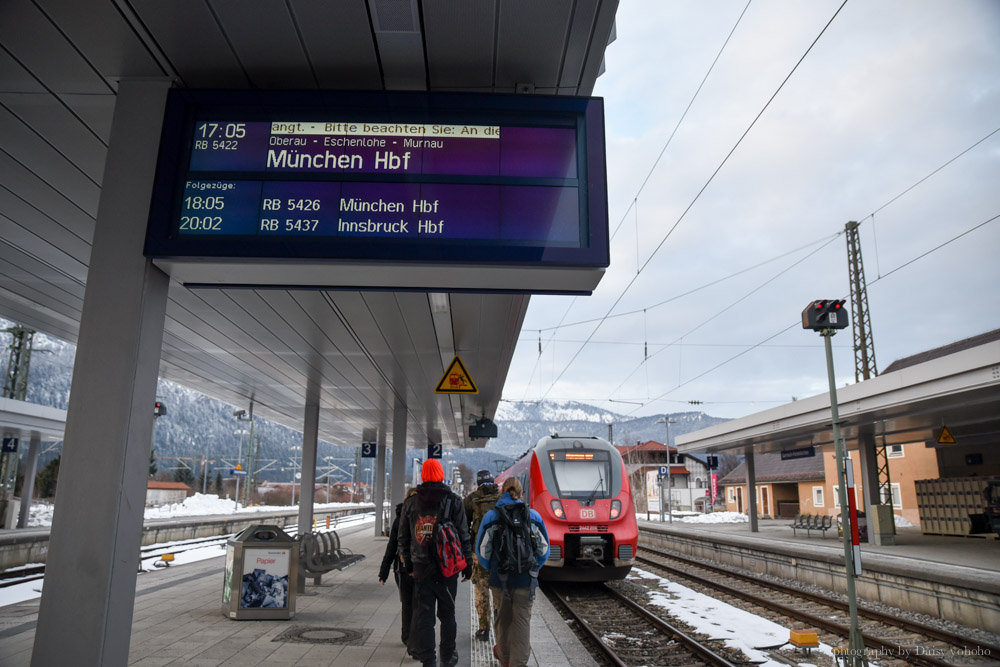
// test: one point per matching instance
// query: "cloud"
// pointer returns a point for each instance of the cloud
(891, 92)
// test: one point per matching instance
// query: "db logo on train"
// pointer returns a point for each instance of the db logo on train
(588, 513)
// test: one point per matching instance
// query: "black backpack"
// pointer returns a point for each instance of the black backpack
(513, 546)
(447, 542)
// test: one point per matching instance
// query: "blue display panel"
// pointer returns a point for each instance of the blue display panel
(381, 176)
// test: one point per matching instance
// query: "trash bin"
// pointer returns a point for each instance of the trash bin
(261, 567)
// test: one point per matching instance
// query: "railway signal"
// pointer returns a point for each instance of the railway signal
(824, 314)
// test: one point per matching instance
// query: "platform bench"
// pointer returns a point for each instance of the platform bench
(320, 553)
(800, 522)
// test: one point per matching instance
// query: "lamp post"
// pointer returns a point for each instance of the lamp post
(295, 467)
(240, 432)
(666, 425)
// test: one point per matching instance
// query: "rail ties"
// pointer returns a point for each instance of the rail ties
(887, 635)
(626, 633)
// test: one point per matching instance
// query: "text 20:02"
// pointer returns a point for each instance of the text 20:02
(192, 223)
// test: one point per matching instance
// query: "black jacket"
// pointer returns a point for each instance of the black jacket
(390, 559)
(416, 528)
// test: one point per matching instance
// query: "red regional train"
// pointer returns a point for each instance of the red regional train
(578, 484)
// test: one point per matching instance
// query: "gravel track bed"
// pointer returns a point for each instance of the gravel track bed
(901, 636)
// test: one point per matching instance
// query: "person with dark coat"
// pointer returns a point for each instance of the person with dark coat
(477, 504)
(416, 550)
(405, 584)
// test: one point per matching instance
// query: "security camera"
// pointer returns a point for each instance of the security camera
(239, 413)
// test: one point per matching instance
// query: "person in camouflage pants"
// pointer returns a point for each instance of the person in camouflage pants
(477, 504)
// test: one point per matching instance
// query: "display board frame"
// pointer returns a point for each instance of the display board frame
(584, 257)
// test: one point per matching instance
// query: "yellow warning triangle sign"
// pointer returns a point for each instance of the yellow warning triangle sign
(456, 380)
(945, 437)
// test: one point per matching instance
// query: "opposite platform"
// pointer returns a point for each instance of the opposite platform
(178, 620)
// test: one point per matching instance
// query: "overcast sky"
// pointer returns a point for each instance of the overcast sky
(889, 93)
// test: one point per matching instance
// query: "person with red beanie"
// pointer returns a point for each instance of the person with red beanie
(416, 551)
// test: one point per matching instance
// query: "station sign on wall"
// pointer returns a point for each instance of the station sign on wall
(338, 189)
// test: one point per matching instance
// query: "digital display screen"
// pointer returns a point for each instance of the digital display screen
(397, 176)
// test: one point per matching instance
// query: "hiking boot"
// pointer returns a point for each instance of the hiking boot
(495, 655)
(450, 662)
(483, 635)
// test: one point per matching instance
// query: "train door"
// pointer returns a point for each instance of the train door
(739, 499)
(765, 501)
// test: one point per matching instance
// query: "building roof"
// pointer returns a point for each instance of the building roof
(942, 351)
(167, 486)
(770, 468)
(648, 446)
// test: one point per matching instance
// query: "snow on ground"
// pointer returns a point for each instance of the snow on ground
(196, 505)
(698, 517)
(718, 620)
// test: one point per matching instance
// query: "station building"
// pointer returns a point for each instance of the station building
(933, 412)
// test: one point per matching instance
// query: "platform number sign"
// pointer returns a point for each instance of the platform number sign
(10, 445)
(368, 450)
(434, 450)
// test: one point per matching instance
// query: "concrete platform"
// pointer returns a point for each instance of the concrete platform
(953, 578)
(178, 620)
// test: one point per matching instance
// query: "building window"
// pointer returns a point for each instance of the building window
(836, 498)
(818, 496)
(897, 498)
(731, 494)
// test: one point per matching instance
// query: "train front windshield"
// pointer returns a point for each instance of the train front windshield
(582, 475)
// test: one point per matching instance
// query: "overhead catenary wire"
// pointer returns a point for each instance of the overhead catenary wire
(635, 199)
(870, 215)
(700, 192)
(729, 307)
(791, 326)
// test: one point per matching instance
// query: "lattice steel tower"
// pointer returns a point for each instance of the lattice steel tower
(864, 343)
(15, 385)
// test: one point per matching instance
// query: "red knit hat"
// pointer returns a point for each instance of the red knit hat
(432, 471)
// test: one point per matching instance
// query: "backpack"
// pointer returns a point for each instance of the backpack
(481, 504)
(448, 543)
(513, 545)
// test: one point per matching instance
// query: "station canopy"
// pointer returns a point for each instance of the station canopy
(60, 65)
(953, 388)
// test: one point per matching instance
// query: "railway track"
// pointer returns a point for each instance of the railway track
(147, 555)
(627, 634)
(889, 638)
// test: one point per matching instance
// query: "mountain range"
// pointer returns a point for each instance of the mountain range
(196, 425)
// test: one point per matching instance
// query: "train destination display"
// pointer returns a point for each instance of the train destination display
(514, 212)
(392, 176)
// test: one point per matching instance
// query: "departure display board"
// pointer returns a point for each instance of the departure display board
(326, 176)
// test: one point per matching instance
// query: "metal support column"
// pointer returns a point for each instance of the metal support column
(877, 502)
(89, 595)
(379, 498)
(30, 470)
(310, 442)
(856, 647)
(751, 489)
(398, 453)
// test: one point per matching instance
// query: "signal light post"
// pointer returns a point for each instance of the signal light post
(826, 317)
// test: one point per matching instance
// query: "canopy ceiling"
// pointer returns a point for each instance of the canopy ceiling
(60, 64)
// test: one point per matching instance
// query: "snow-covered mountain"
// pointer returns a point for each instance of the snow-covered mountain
(521, 424)
(197, 425)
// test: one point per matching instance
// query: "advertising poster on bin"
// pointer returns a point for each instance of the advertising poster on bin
(230, 557)
(265, 579)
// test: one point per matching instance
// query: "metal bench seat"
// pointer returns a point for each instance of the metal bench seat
(320, 553)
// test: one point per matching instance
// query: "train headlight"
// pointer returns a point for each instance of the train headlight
(616, 509)
(558, 510)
